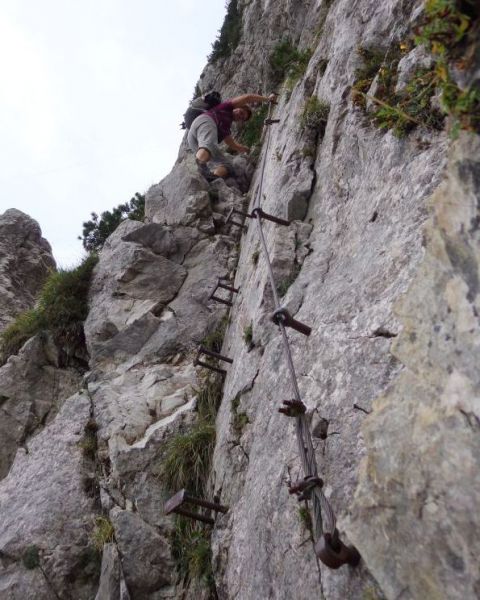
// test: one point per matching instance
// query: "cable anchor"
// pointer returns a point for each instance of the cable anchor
(293, 408)
(174, 505)
(334, 553)
(282, 316)
(303, 487)
(258, 213)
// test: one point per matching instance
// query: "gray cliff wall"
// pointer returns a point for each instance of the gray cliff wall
(381, 260)
(25, 261)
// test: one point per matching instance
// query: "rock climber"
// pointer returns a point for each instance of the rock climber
(214, 126)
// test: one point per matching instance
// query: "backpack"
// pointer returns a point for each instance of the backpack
(199, 106)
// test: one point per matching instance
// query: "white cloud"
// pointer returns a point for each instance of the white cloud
(91, 95)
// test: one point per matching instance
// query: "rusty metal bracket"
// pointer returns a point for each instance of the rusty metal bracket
(203, 350)
(235, 211)
(224, 286)
(200, 363)
(304, 486)
(258, 213)
(175, 504)
(281, 315)
(293, 408)
(334, 553)
(271, 121)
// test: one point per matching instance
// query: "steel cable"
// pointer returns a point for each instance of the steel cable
(322, 510)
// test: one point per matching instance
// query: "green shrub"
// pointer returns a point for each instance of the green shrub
(287, 62)
(98, 229)
(187, 458)
(31, 557)
(251, 133)
(17, 333)
(444, 28)
(103, 533)
(364, 75)
(314, 114)
(213, 341)
(209, 397)
(230, 33)
(61, 309)
(192, 551)
(248, 334)
(445, 23)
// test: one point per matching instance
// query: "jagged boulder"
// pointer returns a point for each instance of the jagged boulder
(25, 261)
(32, 390)
(47, 514)
(422, 460)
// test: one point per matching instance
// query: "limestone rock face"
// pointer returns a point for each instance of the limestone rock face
(32, 390)
(420, 478)
(47, 516)
(25, 261)
(381, 260)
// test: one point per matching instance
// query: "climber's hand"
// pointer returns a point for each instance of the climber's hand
(272, 98)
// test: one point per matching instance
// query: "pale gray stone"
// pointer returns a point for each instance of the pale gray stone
(422, 461)
(32, 390)
(43, 505)
(145, 555)
(25, 261)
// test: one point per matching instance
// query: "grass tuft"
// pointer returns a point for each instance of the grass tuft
(187, 458)
(288, 63)
(62, 308)
(103, 533)
(314, 114)
(248, 335)
(192, 551)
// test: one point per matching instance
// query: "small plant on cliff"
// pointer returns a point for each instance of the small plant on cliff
(447, 28)
(31, 557)
(192, 552)
(314, 114)
(248, 335)
(209, 397)
(98, 229)
(252, 131)
(230, 33)
(61, 309)
(103, 533)
(287, 62)
(213, 341)
(187, 458)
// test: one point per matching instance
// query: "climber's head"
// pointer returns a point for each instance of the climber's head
(242, 114)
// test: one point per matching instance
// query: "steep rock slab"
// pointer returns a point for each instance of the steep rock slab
(415, 516)
(25, 261)
(181, 198)
(45, 515)
(367, 205)
(132, 284)
(32, 390)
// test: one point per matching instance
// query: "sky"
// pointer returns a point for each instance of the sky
(91, 96)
